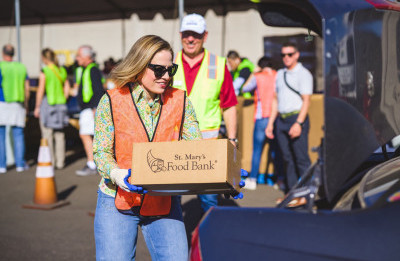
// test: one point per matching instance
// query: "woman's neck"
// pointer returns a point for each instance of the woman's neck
(149, 96)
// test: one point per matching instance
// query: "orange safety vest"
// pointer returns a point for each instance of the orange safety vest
(129, 129)
(265, 91)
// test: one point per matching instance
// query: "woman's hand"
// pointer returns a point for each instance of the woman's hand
(236, 194)
(133, 188)
(120, 177)
(117, 177)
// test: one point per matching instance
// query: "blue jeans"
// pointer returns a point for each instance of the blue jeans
(294, 151)
(207, 201)
(19, 146)
(116, 233)
(259, 140)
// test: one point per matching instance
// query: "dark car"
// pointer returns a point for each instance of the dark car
(353, 190)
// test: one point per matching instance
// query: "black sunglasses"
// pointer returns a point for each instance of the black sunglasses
(186, 34)
(288, 54)
(160, 70)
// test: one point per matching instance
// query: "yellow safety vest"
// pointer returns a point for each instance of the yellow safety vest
(205, 92)
(13, 81)
(54, 84)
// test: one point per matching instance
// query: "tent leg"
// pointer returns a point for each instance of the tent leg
(18, 26)
(181, 10)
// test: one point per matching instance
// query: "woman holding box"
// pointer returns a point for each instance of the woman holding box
(143, 108)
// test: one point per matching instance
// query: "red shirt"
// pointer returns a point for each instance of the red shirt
(227, 95)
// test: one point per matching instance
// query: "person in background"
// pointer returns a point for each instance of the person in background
(14, 97)
(109, 64)
(263, 82)
(51, 108)
(128, 114)
(208, 83)
(294, 86)
(90, 91)
(241, 69)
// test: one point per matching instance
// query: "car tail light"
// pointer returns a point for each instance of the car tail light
(195, 250)
(385, 4)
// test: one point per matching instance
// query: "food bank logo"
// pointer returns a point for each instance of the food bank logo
(180, 163)
(155, 164)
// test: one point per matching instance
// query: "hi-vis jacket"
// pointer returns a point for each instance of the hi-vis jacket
(129, 129)
(83, 75)
(13, 81)
(55, 78)
(245, 63)
(205, 92)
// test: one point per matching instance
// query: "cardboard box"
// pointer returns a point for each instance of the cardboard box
(186, 167)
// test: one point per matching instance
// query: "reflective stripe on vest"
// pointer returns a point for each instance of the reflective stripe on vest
(265, 91)
(13, 81)
(55, 78)
(129, 129)
(206, 89)
(209, 134)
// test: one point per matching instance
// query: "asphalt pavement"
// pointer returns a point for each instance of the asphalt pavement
(66, 233)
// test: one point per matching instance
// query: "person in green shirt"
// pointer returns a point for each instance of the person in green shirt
(14, 96)
(241, 69)
(51, 99)
(89, 92)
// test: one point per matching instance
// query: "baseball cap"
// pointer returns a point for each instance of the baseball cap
(193, 22)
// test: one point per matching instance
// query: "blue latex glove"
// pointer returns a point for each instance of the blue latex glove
(235, 194)
(133, 188)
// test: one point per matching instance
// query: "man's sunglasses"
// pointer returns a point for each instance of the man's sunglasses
(288, 54)
(186, 34)
(160, 70)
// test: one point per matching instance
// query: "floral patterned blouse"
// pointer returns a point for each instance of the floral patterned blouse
(103, 142)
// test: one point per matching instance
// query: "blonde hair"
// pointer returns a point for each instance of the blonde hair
(50, 56)
(132, 68)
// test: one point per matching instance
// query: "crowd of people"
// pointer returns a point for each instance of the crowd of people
(138, 86)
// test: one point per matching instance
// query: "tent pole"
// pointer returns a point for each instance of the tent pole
(123, 31)
(41, 42)
(225, 12)
(181, 10)
(18, 26)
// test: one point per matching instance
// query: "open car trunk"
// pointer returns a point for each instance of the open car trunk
(361, 77)
(361, 73)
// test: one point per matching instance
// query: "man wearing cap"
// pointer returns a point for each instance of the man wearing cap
(294, 86)
(90, 91)
(14, 96)
(208, 83)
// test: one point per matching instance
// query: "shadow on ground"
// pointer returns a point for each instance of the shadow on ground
(66, 192)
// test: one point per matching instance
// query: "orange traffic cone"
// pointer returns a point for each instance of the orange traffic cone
(45, 188)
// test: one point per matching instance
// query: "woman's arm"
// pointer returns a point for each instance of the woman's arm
(67, 88)
(103, 141)
(39, 94)
(191, 130)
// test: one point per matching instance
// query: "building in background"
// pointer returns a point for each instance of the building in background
(112, 37)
